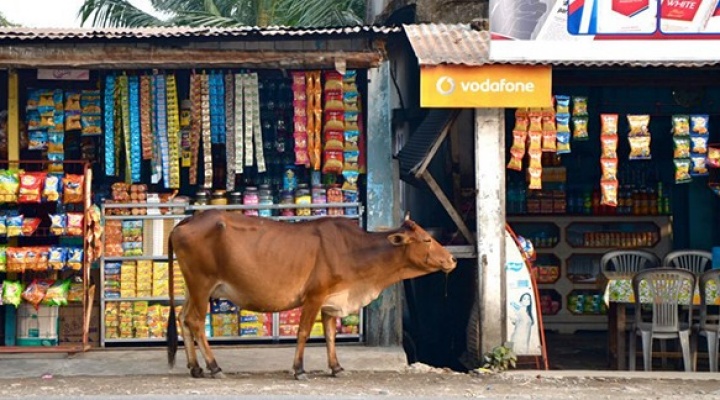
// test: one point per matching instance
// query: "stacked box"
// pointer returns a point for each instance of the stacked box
(132, 238)
(140, 319)
(128, 279)
(179, 280)
(155, 322)
(144, 278)
(289, 321)
(126, 320)
(113, 238)
(160, 280)
(254, 324)
(112, 280)
(112, 320)
(223, 318)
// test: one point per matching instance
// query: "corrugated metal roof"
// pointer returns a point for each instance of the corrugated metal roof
(30, 34)
(460, 44)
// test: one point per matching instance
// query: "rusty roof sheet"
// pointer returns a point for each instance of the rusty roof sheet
(32, 34)
(460, 44)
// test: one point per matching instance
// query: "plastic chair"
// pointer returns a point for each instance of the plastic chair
(628, 261)
(695, 261)
(665, 287)
(709, 324)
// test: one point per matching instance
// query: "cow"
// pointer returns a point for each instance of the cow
(328, 265)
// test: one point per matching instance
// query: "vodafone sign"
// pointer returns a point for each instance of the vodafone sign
(496, 86)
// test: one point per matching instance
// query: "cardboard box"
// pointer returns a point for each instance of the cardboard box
(71, 324)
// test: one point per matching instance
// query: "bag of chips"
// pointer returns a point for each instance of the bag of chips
(563, 143)
(57, 258)
(51, 191)
(609, 168)
(521, 120)
(680, 125)
(535, 175)
(549, 141)
(609, 190)
(638, 125)
(35, 292)
(73, 188)
(12, 293)
(31, 184)
(3, 225)
(681, 147)
(75, 224)
(535, 141)
(519, 141)
(535, 121)
(639, 148)
(580, 128)
(9, 185)
(562, 104)
(699, 124)
(699, 144)
(30, 225)
(516, 159)
(608, 124)
(609, 146)
(58, 224)
(699, 165)
(535, 158)
(548, 122)
(580, 106)
(14, 225)
(75, 258)
(682, 170)
(57, 294)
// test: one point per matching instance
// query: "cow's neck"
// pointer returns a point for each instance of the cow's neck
(390, 261)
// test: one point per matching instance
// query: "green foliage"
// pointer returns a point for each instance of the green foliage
(500, 359)
(4, 21)
(224, 13)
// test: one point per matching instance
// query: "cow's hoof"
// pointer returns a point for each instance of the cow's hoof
(301, 376)
(196, 372)
(338, 372)
(218, 375)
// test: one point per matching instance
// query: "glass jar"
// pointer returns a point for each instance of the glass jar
(251, 198)
(287, 198)
(265, 200)
(218, 198)
(302, 196)
(235, 198)
(319, 197)
(202, 198)
(335, 195)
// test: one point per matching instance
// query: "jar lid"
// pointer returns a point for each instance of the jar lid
(302, 192)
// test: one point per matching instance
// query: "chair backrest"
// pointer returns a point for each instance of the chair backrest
(665, 288)
(712, 275)
(695, 261)
(628, 261)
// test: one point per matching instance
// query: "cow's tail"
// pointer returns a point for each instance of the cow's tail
(172, 332)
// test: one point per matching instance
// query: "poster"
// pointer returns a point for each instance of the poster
(523, 324)
(604, 30)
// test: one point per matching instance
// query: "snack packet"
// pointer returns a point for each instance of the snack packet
(31, 184)
(699, 165)
(3, 225)
(9, 185)
(580, 106)
(699, 144)
(548, 122)
(75, 224)
(51, 191)
(681, 147)
(609, 146)
(535, 141)
(699, 124)
(639, 148)
(57, 294)
(680, 125)
(563, 143)
(58, 223)
(75, 258)
(73, 188)
(580, 128)
(14, 225)
(682, 170)
(713, 157)
(609, 168)
(535, 158)
(563, 123)
(519, 141)
(57, 258)
(562, 104)
(535, 121)
(638, 125)
(535, 175)
(549, 141)
(608, 124)
(12, 293)
(516, 158)
(609, 189)
(521, 120)
(30, 225)
(35, 292)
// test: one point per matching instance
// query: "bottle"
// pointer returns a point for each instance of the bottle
(587, 202)
(596, 202)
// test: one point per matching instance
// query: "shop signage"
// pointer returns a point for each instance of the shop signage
(63, 74)
(523, 321)
(497, 86)
(604, 30)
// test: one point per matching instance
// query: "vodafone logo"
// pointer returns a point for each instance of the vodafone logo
(445, 85)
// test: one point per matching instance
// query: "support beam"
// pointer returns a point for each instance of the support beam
(437, 190)
(490, 183)
(13, 124)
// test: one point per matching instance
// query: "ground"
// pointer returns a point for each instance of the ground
(415, 381)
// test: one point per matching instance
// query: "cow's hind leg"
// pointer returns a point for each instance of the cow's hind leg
(187, 319)
(198, 330)
(330, 329)
(309, 312)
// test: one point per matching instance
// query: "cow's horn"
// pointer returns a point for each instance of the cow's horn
(407, 216)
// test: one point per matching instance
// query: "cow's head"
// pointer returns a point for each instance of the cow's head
(421, 249)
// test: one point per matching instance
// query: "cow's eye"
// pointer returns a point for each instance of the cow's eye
(427, 240)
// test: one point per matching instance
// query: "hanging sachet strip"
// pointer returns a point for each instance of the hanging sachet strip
(110, 125)
(206, 134)
(239, 123)
(248, 108)
(145, 118)
(134, 109)
(259, 154)
(156, 161)
(162, 133)
(195, 125)
(125, 116)
(230, 131)
(173, 118)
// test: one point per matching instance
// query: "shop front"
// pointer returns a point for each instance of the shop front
(112, 137)
(622, 157)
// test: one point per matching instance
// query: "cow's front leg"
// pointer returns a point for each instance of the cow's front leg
(307, 318)
(330, 329)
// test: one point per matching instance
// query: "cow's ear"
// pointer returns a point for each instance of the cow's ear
(399, 239)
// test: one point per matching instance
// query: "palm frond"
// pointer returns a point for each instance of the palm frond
(322, 12)
(116, 13)
(205, 19)
(5, 22)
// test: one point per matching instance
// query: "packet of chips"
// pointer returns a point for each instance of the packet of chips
(535, 121)
(639, 148)
(9, 185)
(609, 146)
(73, 188)
(549, 141)
(698, 165)
(57, 294)
(75, 258)
(699, 124)
(699, 144)
(608, 124)
(516, 158)
(14, 225)
(51, 191)
(609, 190)
(714, 156)
(31, 184)
(682, 170)
(548, 121)
(580, 128)
(535, 140)
(12, 293)
(75, 223)
(30, 225)
(638, 125)
(563, 123)
(680, 125)
(562, 104)
(35, 291)
(535, 156)
(521, 120)
(563, 143)
(609, 168)
(580, 106)
(57, 258)
(535, 176)
(681, 147)
(58, 223)
(519, 141)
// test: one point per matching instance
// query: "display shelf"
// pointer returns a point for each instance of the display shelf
(136, 258)
(144, 299)
(570, 280)
(145, 216)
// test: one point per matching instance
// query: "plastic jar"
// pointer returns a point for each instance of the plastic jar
(335, 195)
(302, 196)
(265, 200)
(251, 198)
(350, 196)
(218, 198)
(287, 198)
(319, 196)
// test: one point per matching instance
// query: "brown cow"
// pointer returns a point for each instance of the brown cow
(328, 265)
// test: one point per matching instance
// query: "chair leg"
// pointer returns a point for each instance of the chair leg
(712, 342)
(647, 350)
(694, 350)
(663, 351)
(685, 344)
(632, 338)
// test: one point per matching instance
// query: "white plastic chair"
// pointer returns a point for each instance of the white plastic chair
(628, 261)
(665, 286)
(695, 261)
(709, 324)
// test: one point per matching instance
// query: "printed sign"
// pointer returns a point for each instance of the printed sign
(523, 326)
(454, 86)
(63, 74)
(604, 30)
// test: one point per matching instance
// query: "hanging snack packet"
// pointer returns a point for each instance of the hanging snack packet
(535, 121)
(56, 258)
(699, 165)
(51, 191)
(639, 148)
(12, 293)
(57, 294)
(680, 125)
(580, 106)
(609, 189)
(73, 188)
(608, 124)
(3, 225)
(521, 120)
(74, 224)
(609, 168)
(681, 147)
(31, 184)
(35, 292)
(30, 225)
(535, 175)
(548, 122)
(58, 223)
(519, 141)
(580, 128)
(562, 104)
(549, 141)
(682, 170)
(699, 144)
(563, 143)
(609, 146)
(699, 124)
(14, 225)
(638, 125)
(516, 158)
(9, 185)
(535, 156)
(535, 141)
(75, 258)
(713, 157)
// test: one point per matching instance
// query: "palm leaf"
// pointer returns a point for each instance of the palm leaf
(116, 13)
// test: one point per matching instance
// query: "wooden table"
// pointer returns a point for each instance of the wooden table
(618, 295)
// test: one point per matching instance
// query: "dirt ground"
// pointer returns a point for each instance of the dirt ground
(415, 381)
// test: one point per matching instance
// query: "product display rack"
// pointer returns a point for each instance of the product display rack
(578, 266)
(78, 167)
(182, 211)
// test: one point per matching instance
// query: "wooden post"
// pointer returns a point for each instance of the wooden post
(490, 183)
(13, 124)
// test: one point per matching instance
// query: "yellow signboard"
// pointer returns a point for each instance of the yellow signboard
(493, 86)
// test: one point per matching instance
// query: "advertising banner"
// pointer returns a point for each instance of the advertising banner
(604, 30)
(501, 86)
